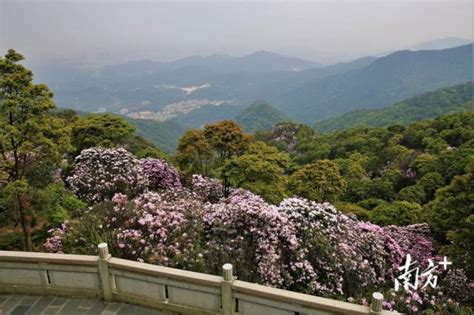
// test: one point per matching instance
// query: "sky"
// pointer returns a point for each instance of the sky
(324, 31)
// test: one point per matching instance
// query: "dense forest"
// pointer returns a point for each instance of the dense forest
(448, 100)
(327, 214)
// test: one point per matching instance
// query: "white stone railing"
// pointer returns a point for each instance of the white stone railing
(180, 291)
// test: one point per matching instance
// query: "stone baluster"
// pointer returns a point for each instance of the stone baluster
(376, 304)
(104, 273)
(228, 304)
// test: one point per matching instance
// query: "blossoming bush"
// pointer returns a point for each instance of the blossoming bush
(207, 189)
(163, 229)
(252, 235)
(99, 173)
(160, 174)
(299, 244)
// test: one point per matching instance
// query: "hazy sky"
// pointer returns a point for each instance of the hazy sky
(98, 31)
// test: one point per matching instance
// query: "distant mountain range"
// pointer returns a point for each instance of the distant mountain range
(386, 80)
(260, 61)
(196, 90)
(442, 43)
(263, 116)
(427, 105)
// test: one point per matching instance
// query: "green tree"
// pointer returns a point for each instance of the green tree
(261, 169)
(100, 130)
(430, 182)
(194, 154)
(226, 138)
(413, 193)
(319, 181)
(451, 216)
(398, 213)
(29, 136)
(205, 151)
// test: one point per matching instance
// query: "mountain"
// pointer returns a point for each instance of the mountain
(264, 61)
(385, 81)
(142, 86)
(259, 116)
(427, 105)
(187, 86)
(442, 43)
(201, 61)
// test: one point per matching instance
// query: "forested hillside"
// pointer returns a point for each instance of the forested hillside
(427, 105)
(164, 135)
(387, 80)
(260, 116)
(333, 215)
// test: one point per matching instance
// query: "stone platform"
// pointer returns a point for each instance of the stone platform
(55, 305)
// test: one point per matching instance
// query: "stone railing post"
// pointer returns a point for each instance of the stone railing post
(376, 303)
(104, 274)
(228, 306)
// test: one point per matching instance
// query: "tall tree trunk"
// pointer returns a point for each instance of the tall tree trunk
(25, 220)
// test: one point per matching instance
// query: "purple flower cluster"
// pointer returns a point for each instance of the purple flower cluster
(100, 173)
(157, 228)
(54, 244)
(207, 189)
(249, 233)
(160, 174)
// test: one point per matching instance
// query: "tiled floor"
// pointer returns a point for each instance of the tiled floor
(51, 305)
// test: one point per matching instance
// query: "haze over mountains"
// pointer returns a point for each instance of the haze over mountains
(190, 92)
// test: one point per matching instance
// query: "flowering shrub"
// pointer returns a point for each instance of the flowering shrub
(347, 261)
(252, 235)
(160, 174)
(100, 173)
(207, 189)
(299, 244)
(54, 244)
(158, 228)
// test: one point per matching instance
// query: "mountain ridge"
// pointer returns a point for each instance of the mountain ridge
(424, 106)
(386, 80)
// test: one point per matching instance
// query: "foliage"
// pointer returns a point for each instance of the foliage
(249, 233)
(451, 215)
(194, 154)
(259, 116)
(205, 151)
(319, 181)
(427, 105)
(227, 139)
(398, 213)
(104, 130)
(157, 228)
(261, 169)
(32, 140)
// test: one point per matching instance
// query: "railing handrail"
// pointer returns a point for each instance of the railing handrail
(298, 298)
(35, 257)
(230, 289)
(171, 273)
